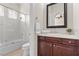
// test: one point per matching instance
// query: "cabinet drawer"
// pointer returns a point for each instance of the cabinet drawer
(53, 40)
(68, 41)
(41, 37)
(77, 42)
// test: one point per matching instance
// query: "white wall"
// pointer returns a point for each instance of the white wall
(33, 40)
(41, 15)
(15, 6)
(25, 8)
(76, 18)
(69, 20)
(36, 12)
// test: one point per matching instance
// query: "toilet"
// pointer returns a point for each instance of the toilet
(26, 49)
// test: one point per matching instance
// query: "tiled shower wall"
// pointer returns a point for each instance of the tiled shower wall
(9, 27)
(13, 29)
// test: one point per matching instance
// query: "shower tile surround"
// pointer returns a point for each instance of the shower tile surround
(10, 27)
(13, 27)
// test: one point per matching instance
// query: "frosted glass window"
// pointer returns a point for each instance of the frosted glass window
(12, 14)
(22, 17)
(1, 10)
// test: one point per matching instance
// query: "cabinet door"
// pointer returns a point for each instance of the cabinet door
(63, 50)
(48, 49)
(57, 49)
(41, 48)
(44, 48)
(68, 50)
(77, 47)
(77, 50)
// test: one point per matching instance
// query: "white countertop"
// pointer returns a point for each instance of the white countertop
(59, 35)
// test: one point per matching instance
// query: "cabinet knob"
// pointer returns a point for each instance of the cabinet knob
(50, 45)
(54, 45)
(70, 42)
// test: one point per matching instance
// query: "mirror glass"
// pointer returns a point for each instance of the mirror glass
(56, 15)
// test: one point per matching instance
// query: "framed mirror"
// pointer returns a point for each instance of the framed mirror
(57, 15)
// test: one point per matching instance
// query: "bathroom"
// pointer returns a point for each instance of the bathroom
(23, 24)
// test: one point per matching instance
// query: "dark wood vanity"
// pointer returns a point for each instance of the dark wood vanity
(55, 46)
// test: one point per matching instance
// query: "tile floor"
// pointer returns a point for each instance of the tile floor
(17, 52)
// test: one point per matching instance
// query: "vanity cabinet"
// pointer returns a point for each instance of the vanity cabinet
(63, 50)
(52, 46)
(44, 47)
(77, 46)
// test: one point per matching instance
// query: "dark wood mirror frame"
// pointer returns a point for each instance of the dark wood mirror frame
(65, 16)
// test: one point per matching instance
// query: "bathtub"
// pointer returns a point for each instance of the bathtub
(10, 46)
(26, 49)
